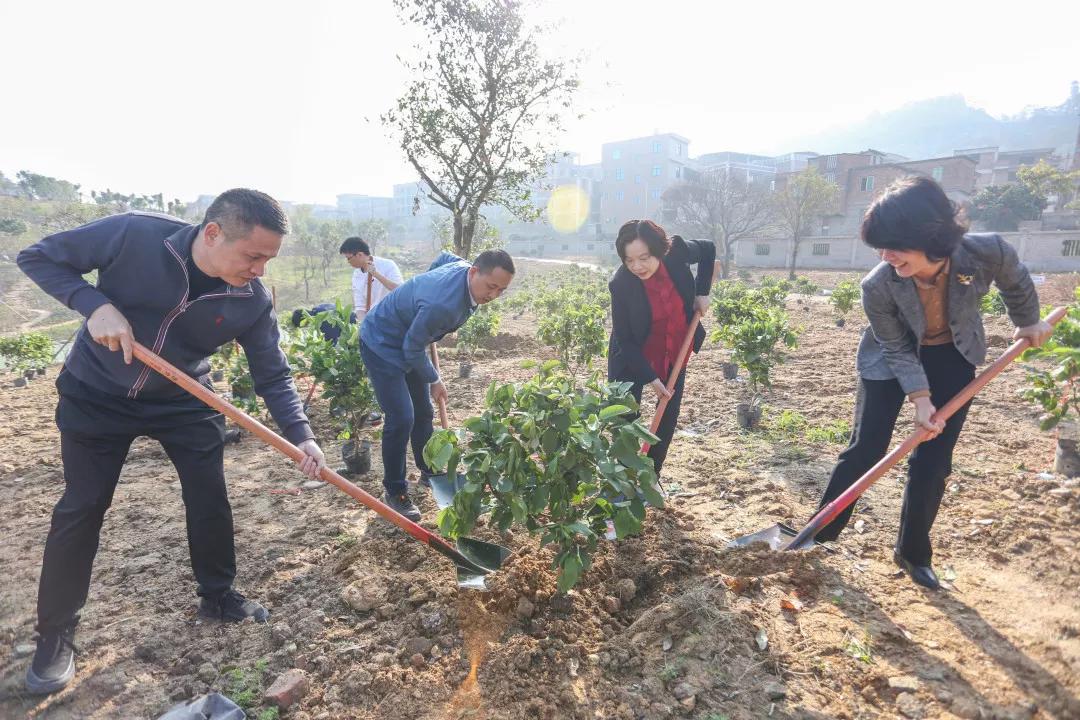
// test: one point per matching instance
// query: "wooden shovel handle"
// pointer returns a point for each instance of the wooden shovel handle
(661, 406)
(285, 447)
(828, 513)
(443, 419)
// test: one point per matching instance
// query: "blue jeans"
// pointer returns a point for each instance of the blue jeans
(407, 415)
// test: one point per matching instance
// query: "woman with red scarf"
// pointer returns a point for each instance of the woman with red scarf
(654, 296)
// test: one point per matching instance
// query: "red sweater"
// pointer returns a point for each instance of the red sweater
(668, 329)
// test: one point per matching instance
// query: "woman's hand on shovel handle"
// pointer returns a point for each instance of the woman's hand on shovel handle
(110, 328)
(924, 410)
(660, 389)
(702, 303)
(1036, 334)
(314, 460)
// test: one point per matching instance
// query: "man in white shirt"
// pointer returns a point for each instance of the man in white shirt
(373, 278)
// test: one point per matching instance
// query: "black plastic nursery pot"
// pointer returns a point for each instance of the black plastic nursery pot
(357, 458)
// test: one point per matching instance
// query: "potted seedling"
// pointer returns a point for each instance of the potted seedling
(757, 342)
(340, 372)
(843, 299)
(27, 354)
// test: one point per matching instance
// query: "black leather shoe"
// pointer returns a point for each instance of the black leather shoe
(402, 505)
(920, 574)
(232, 607)
(54, 662)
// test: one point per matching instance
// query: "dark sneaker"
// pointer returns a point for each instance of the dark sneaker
(402, 505)
(374, 419)
(232, 607)
(54, 662)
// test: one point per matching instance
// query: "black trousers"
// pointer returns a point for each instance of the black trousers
(876, 410)
(666, 431)
(96, 431)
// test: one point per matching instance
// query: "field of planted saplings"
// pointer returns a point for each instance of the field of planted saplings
(617, 594)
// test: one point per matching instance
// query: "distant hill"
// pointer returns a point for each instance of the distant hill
(937, 126)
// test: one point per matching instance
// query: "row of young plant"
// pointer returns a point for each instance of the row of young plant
(26, 354)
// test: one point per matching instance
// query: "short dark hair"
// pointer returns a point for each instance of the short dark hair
(354, 245)
(488, 260)
(914, 213)
(240, 210)
(654, 237)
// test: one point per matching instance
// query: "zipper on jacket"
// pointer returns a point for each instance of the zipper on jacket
(159, 341)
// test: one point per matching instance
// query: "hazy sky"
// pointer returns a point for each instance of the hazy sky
(196, 97)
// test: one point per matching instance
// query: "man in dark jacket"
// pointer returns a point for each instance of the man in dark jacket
(182, 290)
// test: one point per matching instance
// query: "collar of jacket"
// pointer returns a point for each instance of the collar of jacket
(961, 265)
(180, 244)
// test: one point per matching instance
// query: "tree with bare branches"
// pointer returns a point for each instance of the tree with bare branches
(720, 207)
(805, 196)
(477, 120)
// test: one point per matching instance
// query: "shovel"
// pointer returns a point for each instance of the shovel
(777, 535)
(442, 488)
(474, 559)
(673, 378)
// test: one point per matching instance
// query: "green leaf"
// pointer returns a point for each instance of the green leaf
(613, 411)
(626, 524)
(652, 494)
(571, 571)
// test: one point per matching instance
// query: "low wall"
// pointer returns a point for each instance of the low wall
(1041, 251)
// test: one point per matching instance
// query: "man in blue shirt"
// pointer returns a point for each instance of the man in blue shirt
(394, 341)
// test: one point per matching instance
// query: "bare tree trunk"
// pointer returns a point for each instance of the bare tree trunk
(460, 248)
(725, 260)
(468, 233)
(794, 255)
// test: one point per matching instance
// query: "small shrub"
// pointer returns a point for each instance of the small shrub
(553, 457)
(27, 351)
(1057, 388)
(757, 343)
(805, 286)
(992, 303)
(337, 367)
(483, 324)
(576, 332)
(844, 296)
(773, 292)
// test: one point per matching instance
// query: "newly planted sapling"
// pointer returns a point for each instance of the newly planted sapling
(757, 343)
(843, 299)
(577, 333)
(483, 324)
(555, 457)
(1055, 386)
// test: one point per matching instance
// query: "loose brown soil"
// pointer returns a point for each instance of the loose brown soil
(669, 624)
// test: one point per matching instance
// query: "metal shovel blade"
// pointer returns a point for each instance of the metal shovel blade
(443, 489)
(776, 537)
(483, 557)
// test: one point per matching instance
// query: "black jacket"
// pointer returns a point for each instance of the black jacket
(141, 261)
(631, 314)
